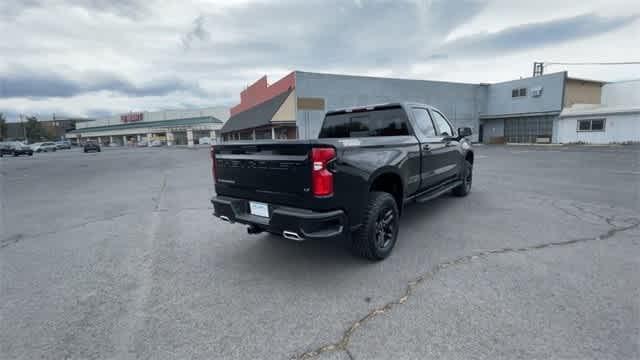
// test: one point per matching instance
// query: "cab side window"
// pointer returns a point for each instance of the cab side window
(444, 128)
(423, 122)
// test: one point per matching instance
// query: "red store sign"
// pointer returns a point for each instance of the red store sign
(132, 117)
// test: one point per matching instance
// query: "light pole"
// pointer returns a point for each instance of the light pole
(24, 129)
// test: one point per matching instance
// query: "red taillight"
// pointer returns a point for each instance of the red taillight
(214, 168)
(321, 177)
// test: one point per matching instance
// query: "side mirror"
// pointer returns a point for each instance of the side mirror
(464, 132)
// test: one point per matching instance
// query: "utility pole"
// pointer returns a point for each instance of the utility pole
(24, 129)
(538, 68)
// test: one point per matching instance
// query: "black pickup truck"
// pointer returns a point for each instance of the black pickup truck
(350, 183)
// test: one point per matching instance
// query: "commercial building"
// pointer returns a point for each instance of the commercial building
(520, 111)
(171, 127)
(527, 110)
(615, 118)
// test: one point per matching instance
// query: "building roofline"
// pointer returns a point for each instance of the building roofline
(148, 124)
(384, 77)
(587, 80)
(506, 116)
(258, 115)
(598, 111)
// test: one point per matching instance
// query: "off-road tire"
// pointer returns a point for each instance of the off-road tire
(467, 179)
(363, 241)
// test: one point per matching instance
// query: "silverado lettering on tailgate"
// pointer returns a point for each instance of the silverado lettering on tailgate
(259, 164)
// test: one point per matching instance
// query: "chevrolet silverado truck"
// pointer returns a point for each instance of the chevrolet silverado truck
(351, 183)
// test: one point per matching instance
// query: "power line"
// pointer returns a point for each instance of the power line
(593, 63)
(538, 66)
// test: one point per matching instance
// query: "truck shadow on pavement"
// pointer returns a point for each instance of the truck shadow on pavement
(284, 259)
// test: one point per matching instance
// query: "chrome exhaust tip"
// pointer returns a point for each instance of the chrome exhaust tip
(292, 236)
(224, 218)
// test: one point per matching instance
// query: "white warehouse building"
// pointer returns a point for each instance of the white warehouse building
(615, 120)
(170, 127)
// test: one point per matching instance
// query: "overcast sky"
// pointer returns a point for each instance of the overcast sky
(97, 57)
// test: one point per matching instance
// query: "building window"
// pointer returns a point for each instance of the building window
(520, 92)
(591, 125)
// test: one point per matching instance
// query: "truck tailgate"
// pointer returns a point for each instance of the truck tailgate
(278, 172)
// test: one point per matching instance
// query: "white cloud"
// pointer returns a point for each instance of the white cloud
(85, 57)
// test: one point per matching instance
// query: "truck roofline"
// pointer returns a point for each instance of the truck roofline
(366, 107)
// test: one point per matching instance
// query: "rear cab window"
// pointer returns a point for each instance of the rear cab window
(385, 121)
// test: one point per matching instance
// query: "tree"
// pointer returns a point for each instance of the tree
(3, 127)
(34, 129)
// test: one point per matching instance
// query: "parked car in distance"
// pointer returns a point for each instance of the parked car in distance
(17, 148)
(204, 141)
(156, 143)
(114, 144)
(44, 147)
(5, 149)
(142, 143)
(351, 183)
(60, 145)
(91, 146)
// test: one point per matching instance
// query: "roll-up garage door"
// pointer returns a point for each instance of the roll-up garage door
(534, 129)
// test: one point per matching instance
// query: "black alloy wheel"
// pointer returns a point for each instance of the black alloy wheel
(385, 229)
(467, 179)
(377, 236)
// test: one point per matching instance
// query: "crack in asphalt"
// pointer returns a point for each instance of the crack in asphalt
(349, 354)
(18, 237)
(13, 239)
(343, 343)
(156, 199)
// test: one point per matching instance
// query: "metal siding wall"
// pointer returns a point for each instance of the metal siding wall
(500, 102)
(625, 93)
(309, 123)
(457, 101)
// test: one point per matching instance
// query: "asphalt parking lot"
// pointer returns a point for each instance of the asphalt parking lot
(115, 255)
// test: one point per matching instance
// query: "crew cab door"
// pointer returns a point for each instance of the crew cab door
(432, 149)
(449, 146)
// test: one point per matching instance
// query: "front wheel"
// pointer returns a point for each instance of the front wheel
(377, 236)
(467, 177)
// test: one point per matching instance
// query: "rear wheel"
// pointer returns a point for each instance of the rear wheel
(377, 236)
(467, 177)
